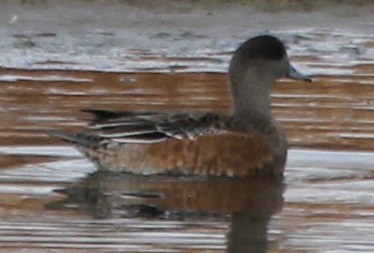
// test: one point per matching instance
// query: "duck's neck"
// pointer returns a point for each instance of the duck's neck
(251, 97)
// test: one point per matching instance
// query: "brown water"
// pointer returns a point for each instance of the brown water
(52, 201)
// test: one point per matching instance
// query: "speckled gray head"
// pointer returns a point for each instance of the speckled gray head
(267, 55)
(254, 67)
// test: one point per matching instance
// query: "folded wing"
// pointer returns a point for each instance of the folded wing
(150, 127)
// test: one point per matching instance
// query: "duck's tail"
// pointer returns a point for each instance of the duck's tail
(79, 139)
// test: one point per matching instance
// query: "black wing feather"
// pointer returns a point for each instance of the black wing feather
(149, 127)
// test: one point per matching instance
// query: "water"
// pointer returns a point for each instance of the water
(53, 200)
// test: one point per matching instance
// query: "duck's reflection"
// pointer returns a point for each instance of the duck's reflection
(248, 202)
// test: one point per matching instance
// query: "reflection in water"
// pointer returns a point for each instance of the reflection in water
(248, 233)
(248, 202)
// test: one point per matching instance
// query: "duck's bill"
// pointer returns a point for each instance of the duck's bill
(294, 74)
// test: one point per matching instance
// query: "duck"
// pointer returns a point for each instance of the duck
(247, 142)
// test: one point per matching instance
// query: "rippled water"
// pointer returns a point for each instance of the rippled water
(52, 199)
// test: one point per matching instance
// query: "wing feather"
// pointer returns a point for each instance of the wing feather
(151, 127)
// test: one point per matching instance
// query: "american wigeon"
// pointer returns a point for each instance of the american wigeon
(248, 142)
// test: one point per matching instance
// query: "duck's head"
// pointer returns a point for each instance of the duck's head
(254, 67)
(264, 58)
